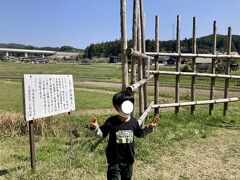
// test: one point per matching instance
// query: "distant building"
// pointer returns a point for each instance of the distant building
(200, 60)
(171, 61)
(114, 59)
(40, 60)
(232, 53)
(162, 59)
(203, 64)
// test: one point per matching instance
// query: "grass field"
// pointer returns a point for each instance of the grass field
(181, 147)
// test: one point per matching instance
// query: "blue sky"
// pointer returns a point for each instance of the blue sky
(79, 23)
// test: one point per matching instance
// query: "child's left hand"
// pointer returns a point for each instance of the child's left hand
(154, 121)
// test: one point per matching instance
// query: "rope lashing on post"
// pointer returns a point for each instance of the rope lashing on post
(132, 52)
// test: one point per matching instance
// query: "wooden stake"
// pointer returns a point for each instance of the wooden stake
(227, 70)
(136, 85)
(195, 74)
(194, 51)
(124, 45)
(31, 134)
(70, 131)
(195, 103)
(156, 80)
(144, 63)
(178, 49)
(138, 54)
(213, 68)
(134, 37)
(145, 114)
(32, 146)
(140, 73)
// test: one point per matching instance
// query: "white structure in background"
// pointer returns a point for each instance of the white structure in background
(26, 51)
(53, 54)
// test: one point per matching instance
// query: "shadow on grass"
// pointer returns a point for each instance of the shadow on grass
(94, 146)
(7, 171)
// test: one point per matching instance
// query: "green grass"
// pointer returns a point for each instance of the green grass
(87, 159)
(11, 98)
(98, 72)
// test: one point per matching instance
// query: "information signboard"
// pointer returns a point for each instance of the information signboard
(47, 95)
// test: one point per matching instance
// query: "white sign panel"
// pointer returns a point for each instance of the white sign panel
(47, 95)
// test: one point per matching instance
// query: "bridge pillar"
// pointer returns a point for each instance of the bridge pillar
(43, 56)
(7, 54)
(26, 55)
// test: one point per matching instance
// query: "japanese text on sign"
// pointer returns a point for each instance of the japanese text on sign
(47, 95)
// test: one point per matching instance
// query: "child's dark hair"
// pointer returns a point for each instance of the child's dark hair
(122, 96)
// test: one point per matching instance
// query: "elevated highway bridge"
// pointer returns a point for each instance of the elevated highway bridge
(7, 51)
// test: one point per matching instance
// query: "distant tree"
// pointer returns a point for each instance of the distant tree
(67, 48)
(204, 45)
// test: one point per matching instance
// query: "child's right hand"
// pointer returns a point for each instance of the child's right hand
(153, 122)
(93, 123)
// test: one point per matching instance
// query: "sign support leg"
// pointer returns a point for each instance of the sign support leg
(70, 130)
(32, 146)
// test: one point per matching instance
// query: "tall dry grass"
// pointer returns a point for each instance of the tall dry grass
(13, 124)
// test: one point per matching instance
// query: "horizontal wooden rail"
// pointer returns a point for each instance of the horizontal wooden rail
(195, 103)
(145, 113)
(190, 55)
(138, 54)
(136, 85)
(195, 74)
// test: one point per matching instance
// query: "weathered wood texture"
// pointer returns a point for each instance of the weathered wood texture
(124, 57)
(227, 71)
(195, 74)
(156, 76)
(195, 103)
(140, 70)
(178, 49)
(194, 51)
(213, 67)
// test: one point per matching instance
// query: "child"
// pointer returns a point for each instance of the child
(121, 129)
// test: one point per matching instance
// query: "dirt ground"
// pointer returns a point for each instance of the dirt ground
(168, 90)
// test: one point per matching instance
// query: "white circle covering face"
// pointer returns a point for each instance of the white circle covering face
(127, 107)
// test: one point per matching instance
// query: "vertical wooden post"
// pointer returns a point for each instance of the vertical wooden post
(32, 146)
(31, 134)
(178, 49)
(213, 67)
(140, 69)
(227, 70)
(124, 45)
(70, 131)
(134, 37)
(156, 76)
(144, 62)
(194, 51)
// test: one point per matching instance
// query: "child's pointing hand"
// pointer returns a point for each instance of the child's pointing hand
(93, 123)
(154, 121)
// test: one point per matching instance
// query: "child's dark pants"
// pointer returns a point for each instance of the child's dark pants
(119, 171)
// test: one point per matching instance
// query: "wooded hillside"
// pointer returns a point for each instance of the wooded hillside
(204, 45)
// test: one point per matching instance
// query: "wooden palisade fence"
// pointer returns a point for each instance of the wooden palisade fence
(142, 58)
